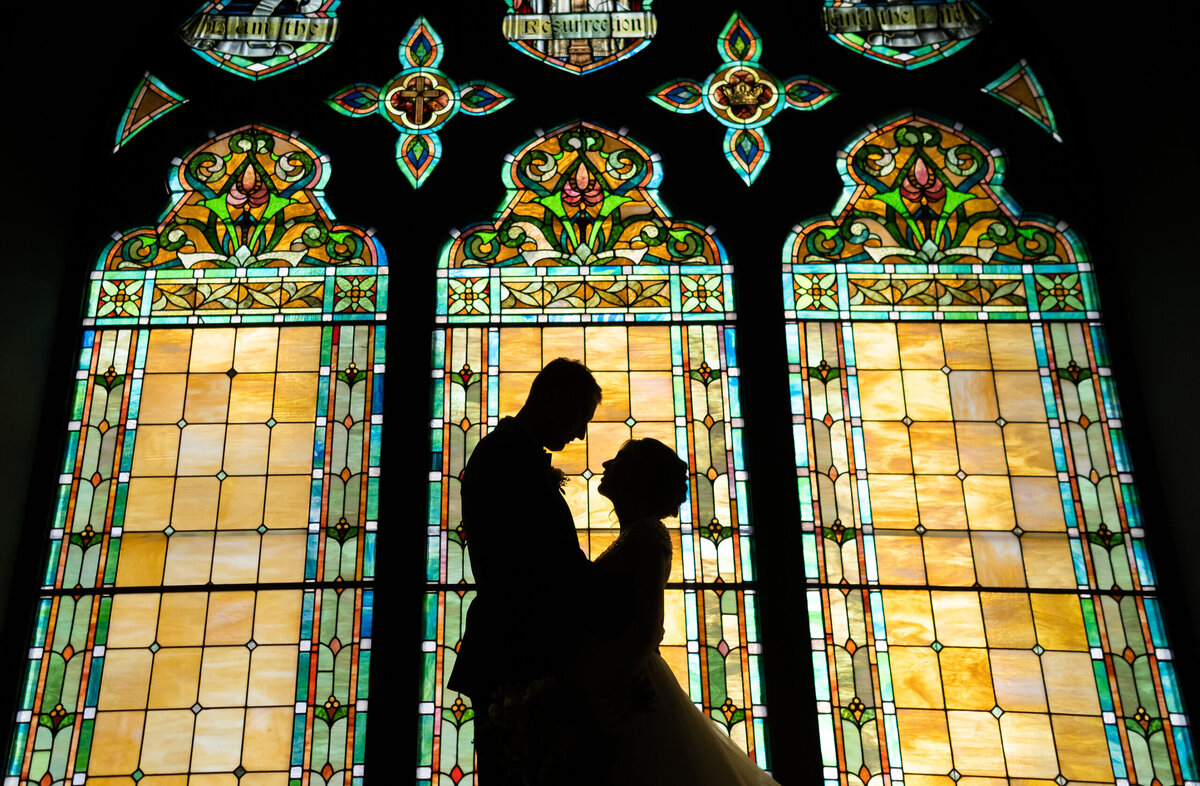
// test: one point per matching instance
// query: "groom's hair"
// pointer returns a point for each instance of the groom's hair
(564, 383)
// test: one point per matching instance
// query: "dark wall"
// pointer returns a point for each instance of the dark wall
(1121, 179)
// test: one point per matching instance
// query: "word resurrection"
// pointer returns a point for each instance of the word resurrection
(549, 27)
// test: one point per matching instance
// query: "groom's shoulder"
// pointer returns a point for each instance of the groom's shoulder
(504, 447)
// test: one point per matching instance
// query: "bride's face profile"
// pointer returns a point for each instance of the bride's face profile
(610, 481)
(644, 479)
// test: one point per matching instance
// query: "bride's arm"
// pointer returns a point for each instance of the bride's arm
(644, 572)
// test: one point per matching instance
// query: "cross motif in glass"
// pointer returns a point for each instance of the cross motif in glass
(419, 100)
(743, 96)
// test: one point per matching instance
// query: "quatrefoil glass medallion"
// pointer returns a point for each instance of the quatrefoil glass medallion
(419, 100)
(743, 96)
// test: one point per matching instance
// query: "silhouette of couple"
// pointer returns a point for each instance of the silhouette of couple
(560, 654)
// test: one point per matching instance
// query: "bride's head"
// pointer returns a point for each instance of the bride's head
(645, 479)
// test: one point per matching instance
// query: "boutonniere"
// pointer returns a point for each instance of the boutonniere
(559, 479)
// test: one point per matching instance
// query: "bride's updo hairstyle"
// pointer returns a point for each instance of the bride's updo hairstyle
(649, 479)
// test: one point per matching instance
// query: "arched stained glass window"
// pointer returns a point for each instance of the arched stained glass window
(206, 605)
(981, 602)
(584, 261)
(1117, 178)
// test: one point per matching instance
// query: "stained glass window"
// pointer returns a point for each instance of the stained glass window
(584, 261)
(981, 603)
(206, 606)
(151, 611)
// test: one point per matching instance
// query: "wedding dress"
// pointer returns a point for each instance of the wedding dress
(668, 741)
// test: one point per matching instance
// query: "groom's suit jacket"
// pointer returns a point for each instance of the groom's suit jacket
(534, 583)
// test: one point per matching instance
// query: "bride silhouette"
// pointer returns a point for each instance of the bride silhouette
(656, 734)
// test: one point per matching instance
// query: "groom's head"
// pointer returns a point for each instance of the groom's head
(561, 402)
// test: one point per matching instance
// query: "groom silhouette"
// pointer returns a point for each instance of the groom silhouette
(534, 582)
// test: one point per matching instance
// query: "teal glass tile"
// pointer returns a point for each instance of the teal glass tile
(762, 742)
(303, 664)
(1048, 398)
(435, 501)
(852, 389)
(808, 546)
(804, 491)
(796, 392)
(368, 566)
(92, 694)
(1133, 510)
(306, 614)
(1088, 608)
(1158, 633)
(1091, 297)
(114, 554)
(314, 502)
(893, 740)
(848, 345)
(433, 557)
(71, 453)
(885, 676)
(694, 676)
(827, 740)
(298, 741)
(1170, 687)
(864, 502)
(376, 437)
(310, 561)
(372, 498)
(102, 618)
(1100, 345)
(1108, 390)
(756, 693)
(381, 342)
(860, 455)
(1187, 754)
(1104, 692)
(877, 621)
(820, 667)
(1060, 456)
(20, 739)
(438, 359)
(1114, 750)
(1081, 576)
(127, 451)
(438, 404)
(360, 730)
(1064, 488)
(1144, 566)
(800, 444)
(84, 749)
